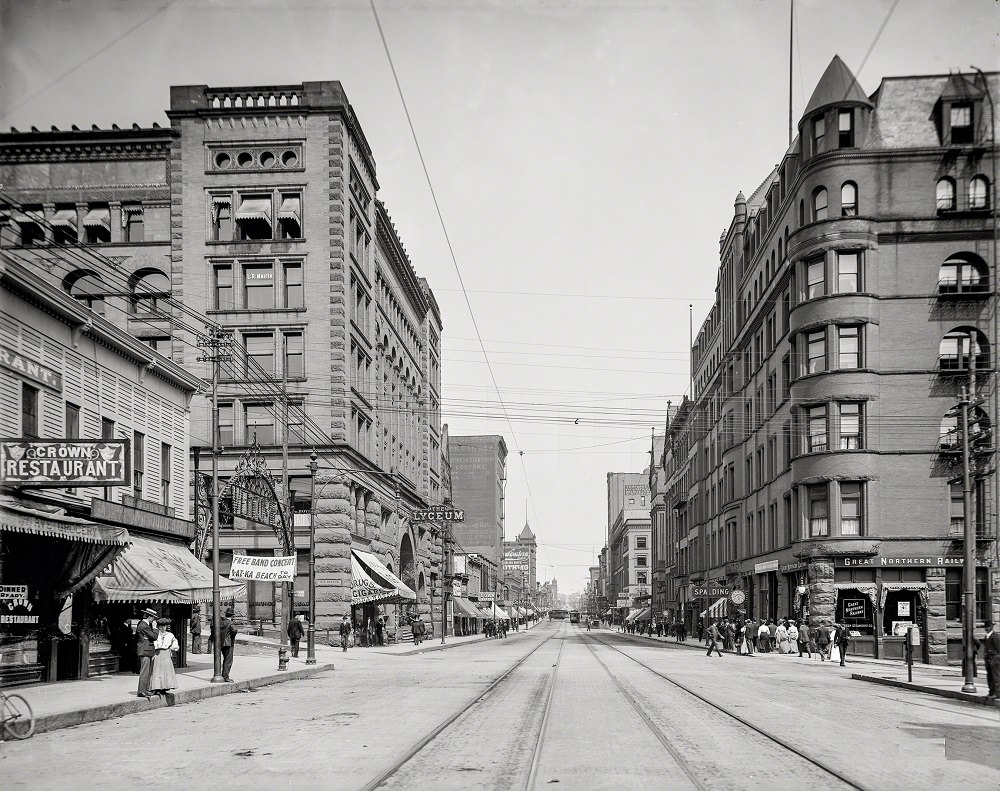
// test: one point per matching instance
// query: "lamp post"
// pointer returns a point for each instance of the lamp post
(311, 631)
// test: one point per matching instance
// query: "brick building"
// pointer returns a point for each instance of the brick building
(629, 541)
(478, 477)
(816, 467)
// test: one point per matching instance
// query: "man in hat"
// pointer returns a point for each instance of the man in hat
(145, 636)
(345, 631)
(196, 629)
(228, 630)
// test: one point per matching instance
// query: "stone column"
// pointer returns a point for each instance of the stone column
(822, 594)
(333, 550)
(937, 634)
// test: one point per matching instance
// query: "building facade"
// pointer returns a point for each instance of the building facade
(478, 477)
(629, 539)
(856, 303)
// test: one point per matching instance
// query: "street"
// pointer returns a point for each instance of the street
(584, 710)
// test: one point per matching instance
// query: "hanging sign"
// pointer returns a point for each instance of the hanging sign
(262, 569)
(59, 463)
(438, 514)
(485, 595)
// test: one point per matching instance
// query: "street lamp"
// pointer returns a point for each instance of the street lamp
(311, 633)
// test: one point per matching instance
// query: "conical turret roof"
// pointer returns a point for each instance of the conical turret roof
(526, 533)
(837, 86)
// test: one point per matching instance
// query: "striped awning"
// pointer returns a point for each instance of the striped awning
(28, 520)
(65, 217)
(255, 209)
(98, 218)
(465, 608)
(364, 588)
(717, 610)
(381, 574)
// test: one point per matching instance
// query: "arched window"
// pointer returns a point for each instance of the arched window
(979, 192)
(849, 199)
(963, 273)
(819, 204)
(88, 288)
(959, 346)
(149, 288)
(945, 195)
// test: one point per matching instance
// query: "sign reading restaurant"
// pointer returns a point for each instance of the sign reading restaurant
(28, 368)
(57, 463)
(879, 561)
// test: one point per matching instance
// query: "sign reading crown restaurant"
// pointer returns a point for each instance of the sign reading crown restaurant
(263, 569)
(58, 463)
(439, 514)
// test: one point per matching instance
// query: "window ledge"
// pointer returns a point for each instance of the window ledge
(223, 242)
(254, 312)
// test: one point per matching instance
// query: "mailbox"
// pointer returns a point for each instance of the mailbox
(914, 636)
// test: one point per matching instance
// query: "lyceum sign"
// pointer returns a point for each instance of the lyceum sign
(65, 462)
(439, 514)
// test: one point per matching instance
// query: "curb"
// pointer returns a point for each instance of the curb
(965, 697)
(69, 719)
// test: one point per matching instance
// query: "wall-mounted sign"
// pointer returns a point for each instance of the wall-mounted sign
(29, 369)
(766, 566)
(486, 595)
(710, 592)
(879, 561)
(65, 462)
(13, 592)
(17, 609)
(854, 609)
(263, 569)
(439, 514)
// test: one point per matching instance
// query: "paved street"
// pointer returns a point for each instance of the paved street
(584, 710)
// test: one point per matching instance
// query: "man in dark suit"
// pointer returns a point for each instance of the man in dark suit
(295, 633)
(145, 635)
(991, 656)
(228, 629)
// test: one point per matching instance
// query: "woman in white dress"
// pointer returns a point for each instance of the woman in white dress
(782, 638)
(163, 677)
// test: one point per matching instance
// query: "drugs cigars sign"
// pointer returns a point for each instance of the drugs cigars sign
(61, 463)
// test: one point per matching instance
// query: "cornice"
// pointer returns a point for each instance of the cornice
(68, 151)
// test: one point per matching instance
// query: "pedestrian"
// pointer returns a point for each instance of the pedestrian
(823, 640)
(701, 628)
(793, 636)
(228, 643)
(683, 630)
(731, 635)
(345, 631)
(163, 678)
(145, 635)
(781, 638)
(295, 633)
(843, 637)
(659, 628)
(772, 633)
(419, 629)
(380, 632)
(991, 657)
(763, 637)
(713, 636)
(196, 629)
(805, 636)
(749, 636)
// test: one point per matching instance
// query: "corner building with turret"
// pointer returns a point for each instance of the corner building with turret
(818, 466)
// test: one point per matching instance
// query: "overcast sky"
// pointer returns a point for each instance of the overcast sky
(585, 157)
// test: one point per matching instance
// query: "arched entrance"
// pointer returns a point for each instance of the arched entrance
(408, 564)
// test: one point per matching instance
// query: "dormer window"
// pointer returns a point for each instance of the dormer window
(819, 131)
(845, 128)
(961, 124)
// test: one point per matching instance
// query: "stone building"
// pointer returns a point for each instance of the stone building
(819, 470)
(479, 474)
(258, 210)
(629, 540)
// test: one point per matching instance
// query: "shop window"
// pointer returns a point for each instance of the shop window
(133, 223)
(294, 355)
(138, 461)
(961, 124)
(253, 218)
(818, 510)
(227, 436)
(97, 224)
(225, 297)
(945, 195)
(294, 287)
(848, 262)
(816, 429)
(258, 286)
(850, 509)
(222, 219)
(845, 128)
(149, 292)
(979, 194)
(259, 355)
(259, 424)
(849, 199)
(819, 204)
(165, 473)
(29, 411)
(815, 278)
(815, 343)
(849, 347)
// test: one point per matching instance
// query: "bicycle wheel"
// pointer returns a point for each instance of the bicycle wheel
(17, 717)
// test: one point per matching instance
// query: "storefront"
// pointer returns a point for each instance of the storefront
(467, 617)
(376, 593)
(766, 574)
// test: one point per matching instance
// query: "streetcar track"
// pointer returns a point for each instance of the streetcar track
(771, 737)
(419, 745)
(537, 752)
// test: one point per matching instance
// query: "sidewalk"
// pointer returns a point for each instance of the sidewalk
(943, 681)
(64, 704)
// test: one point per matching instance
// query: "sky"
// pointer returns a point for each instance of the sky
(569, 171)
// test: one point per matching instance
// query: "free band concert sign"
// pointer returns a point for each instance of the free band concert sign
(61, 463)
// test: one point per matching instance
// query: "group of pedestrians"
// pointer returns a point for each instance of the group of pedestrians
(782, 636)
(497, 629)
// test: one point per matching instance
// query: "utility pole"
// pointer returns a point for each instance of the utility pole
(445, 538)
(219, 342)
(969, 561)
(285, 591)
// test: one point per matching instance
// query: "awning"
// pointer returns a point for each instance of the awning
(255, 209)
(383, 575)
(100, 218)
(499, 614)
(66, 217)
(869, 589)
(717, 610)
(160, 571)
(28, 217)
(644, 614)
(465, 608)
(364, 588)
(289, 210)
(920, 588)
(485, 614)
(632, 614)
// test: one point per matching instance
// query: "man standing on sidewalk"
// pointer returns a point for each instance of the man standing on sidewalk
(345, 631)
(196, 629)
(145, 635)
(295, 633)
(842, 637)
(991, 656)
